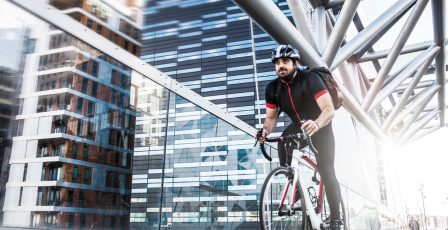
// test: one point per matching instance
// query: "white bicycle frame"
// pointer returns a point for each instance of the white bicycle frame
(295, 164)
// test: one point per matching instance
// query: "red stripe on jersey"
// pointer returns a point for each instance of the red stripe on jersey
(270, 106)
(320, 94)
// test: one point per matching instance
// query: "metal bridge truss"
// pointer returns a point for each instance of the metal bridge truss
(390, 104)
(410, 116)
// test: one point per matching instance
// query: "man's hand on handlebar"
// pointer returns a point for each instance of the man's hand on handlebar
(261, 135)
(310, 127)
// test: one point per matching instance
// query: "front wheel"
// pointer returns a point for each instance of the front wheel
(274, 209)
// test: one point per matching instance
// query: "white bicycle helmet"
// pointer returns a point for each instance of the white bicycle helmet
(285, 51)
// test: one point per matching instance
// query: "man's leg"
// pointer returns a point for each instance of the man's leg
(324, 143)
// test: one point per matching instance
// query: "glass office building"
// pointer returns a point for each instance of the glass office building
(73, 131)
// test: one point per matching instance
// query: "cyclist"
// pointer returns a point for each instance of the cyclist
(305, 99)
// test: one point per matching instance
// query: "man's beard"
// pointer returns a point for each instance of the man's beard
(287, 77)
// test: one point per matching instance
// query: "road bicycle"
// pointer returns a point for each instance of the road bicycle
(293, 197)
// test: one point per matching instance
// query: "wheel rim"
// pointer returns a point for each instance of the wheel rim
(270, 201)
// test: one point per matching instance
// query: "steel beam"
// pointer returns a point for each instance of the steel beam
(333, 3)
(269, 17)
(299, 15)
(439, 20)
(404, 97)
(421, 84)
(411, 69)
(394, 52)
(416, 107)
(379, 24)
(66, 23)
(383, 53)
(321, 29)
(419, 125)
(337, 35)
(352, 105)
(423, 133)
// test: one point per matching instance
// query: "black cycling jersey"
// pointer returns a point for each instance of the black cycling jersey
(297, 98)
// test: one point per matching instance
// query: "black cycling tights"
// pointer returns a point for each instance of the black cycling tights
(323, 140)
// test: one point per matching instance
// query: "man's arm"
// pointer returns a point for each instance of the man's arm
(270, 121)
(326, 106)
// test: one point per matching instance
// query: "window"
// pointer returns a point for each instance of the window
(126, 44)
(94, 89)
(75, 173)
(85, 152)
(84, 67)
(71, 219)
(74, 150)
(99, 29)
(70, 197)
(86, 176)
(89, 23)
(90, 106)
(85, 84)
(93, 9)
(81, 198)
(79, 105)
(81, 125)
(94, 68)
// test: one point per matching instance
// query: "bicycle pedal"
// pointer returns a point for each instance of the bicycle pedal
(286, 213)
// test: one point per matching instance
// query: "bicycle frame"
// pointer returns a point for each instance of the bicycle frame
(298, 157)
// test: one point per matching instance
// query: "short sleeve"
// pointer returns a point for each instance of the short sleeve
(270, 95)
(316, 85)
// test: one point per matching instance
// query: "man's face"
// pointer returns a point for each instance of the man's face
(285, 68)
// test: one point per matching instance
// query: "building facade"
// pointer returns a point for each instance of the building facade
(73, 134)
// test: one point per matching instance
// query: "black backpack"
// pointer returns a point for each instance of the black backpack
(327, 78)
(331, 84)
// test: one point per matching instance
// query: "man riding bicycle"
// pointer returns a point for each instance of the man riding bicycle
(305, 99)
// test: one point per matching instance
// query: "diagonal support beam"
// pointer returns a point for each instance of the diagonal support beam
(423, 133)
(419, 125)
(269, 17)
(339, 30)
(407, 49)
(416, 107)
(394, 52)
(439, 23)
(411, 69)
(299, 15)
(379, 24)
(404, 97)
(333, 3)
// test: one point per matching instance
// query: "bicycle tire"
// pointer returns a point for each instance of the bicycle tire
(270, 200)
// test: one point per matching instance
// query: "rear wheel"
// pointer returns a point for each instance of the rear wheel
(274, 207)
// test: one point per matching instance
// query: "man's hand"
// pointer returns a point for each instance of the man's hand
(310, 127)
(261, 135)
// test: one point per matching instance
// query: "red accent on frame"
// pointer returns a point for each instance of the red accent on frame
(284, 197)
